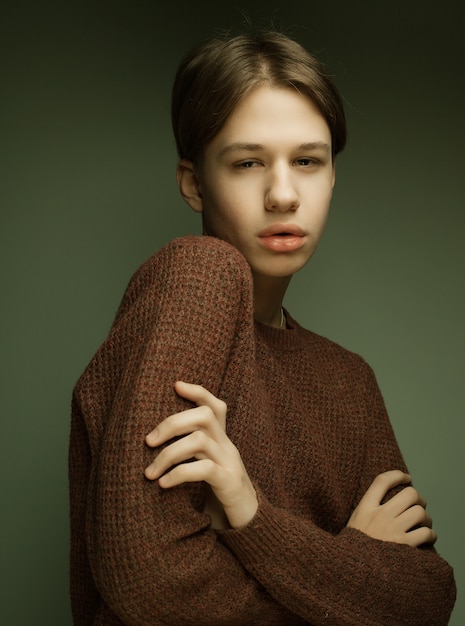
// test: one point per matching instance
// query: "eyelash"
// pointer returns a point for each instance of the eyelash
(307, 161)
(303, 162)
(246, 165)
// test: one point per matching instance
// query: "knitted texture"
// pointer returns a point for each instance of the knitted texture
(310, 424)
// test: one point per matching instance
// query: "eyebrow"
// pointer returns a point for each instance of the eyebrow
(257, 147)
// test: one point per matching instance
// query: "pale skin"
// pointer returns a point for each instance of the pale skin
(269, 168)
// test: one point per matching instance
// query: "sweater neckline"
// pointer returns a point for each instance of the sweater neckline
(288, 338)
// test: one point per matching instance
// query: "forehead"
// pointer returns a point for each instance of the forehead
(271, 117)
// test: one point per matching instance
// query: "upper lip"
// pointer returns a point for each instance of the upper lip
(282, 229)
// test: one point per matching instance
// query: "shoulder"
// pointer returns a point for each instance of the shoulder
(197, 254)
(189, 264)
(198, 247)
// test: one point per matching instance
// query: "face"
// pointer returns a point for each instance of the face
(266, 181)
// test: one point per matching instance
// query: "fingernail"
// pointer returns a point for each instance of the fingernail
(152, 437)
(164, 481)
(150, 472)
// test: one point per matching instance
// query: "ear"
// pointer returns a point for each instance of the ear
(189, 185)
(333, 176)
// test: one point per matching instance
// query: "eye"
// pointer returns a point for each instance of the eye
(306, 161)
(246, 165)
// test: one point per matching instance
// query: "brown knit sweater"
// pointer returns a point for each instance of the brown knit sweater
(311, 427)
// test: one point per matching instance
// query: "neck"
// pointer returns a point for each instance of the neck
(268, 299)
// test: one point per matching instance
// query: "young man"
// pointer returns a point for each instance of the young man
(228, 466)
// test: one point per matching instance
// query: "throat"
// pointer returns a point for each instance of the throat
(277, 320)
(269, 292)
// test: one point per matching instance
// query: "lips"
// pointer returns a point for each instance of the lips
(282, 230)
(282, 237)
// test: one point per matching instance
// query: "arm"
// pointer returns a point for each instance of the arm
(199, 434)
(400, 519)
(349, 578)
(153, 555)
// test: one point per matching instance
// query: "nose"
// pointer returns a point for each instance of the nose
(281, 193)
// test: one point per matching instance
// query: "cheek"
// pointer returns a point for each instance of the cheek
(320, 196)
(325, 193)
(224, 203)
(319, 203)
(217, 196)
(217, 216)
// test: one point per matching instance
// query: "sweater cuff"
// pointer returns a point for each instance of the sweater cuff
(258, 539)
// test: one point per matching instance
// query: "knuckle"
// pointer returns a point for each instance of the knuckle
(204, 416)
(411, 493)
(382, 479)
(419, 512)
(198, 438)
(215, 410)
(222, 407)
(425, 535)
(210, 412)
(209, 467)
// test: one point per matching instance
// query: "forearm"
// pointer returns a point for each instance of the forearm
(170, 568)
(346, 576)
(348, 579)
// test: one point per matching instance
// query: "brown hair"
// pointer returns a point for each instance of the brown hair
(213, 78)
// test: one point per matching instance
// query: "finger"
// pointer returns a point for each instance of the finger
(183, 423)
(201, 396)
(170, 427)
(403, 500)
(197, 471)
(162, 432)
(414, 517)
(382, 484)
(420, 536)
(195, 445)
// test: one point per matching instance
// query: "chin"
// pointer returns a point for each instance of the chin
(288, 266)
(275, 270)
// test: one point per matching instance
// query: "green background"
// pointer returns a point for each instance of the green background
(88, 193)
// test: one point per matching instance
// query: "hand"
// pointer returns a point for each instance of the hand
(217, 460)
(402, 519)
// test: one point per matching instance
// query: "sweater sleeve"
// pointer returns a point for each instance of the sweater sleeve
(151, 552)
(349, 578)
